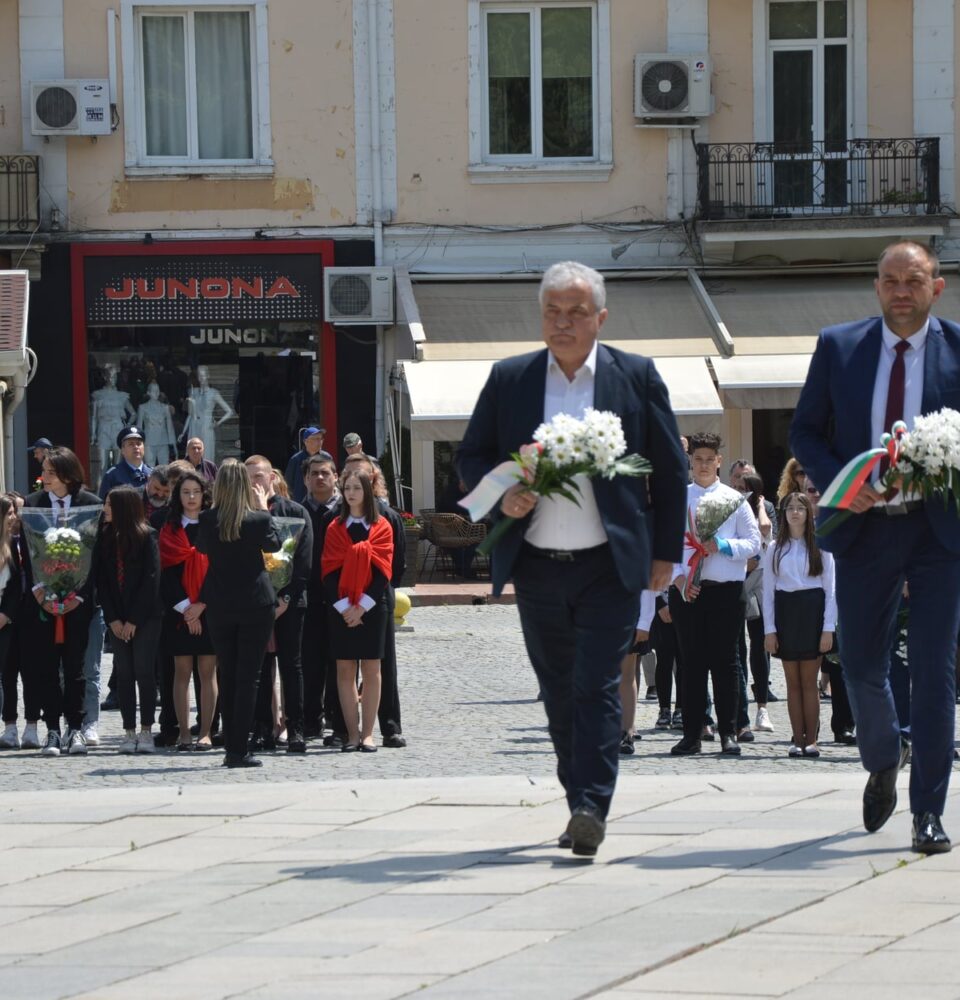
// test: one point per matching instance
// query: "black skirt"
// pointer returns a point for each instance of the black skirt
(799, 615)
(176, 640)
(366, 641)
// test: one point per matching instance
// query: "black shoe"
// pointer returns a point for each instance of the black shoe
(708, 734)
(269, 741)
(626, 745)
(928, 835)
(564, 841)
(676, 720)
(729, 745)
(652, 693)
(195, 729)
(167, 738)
(880, 794)
(686, 747)
(334, 740)
(111, 703)
(312, 731)
(771, 697)
(663, 719)
(295, 741)
(216, 739)
(845, 736)
(241, 760)
(586, 831)
(256, 742)
(746, 736)
(395, 741)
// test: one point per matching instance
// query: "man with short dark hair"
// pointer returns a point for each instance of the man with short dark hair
(130, 470)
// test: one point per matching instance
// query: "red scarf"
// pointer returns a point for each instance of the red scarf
(175, 548)
(356, 560)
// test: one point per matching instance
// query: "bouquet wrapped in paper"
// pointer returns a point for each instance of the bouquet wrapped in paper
(702, 527)
(562, 449)
(279, 564)
(60, 543)
(924, 463)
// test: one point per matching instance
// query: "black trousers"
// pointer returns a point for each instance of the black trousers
(314, 648)
(759, 658)
(19, 661)
(388, 714)
(663, 639)
(288, 635)
(50, 658)
(708, 630)
(239, 639)
(578, 623)
(134, 664)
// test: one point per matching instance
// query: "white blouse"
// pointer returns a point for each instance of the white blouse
(793, 575)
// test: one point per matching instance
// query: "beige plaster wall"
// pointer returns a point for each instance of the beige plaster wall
(731, 47)
(311, 107)
(433, 141)
(890, 68)
(10, 134)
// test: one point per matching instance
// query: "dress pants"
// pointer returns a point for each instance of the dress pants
(50, 658)
(870, 576)
(240, 638)
(708, 630)
(663, 639)
(314, 654)
(578, 623)
(759, 658)
(134, 663)
(388, 712)
(288, 635)
(19, 661)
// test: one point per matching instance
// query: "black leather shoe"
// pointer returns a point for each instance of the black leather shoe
(394, 741)
(685, 747)
(928, 835)
(295, 741)
(586, 831)
(845, 736)
(564, 841)
(729, 745)
(334, 740)
(111, 703)
(746, 736)
(241, 760)
(880, 794)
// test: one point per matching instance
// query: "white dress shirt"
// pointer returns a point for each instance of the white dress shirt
(557, 523)
(913, 388)
(648, 605)
(59, 503)
(366, 601)
(740, 530)
(793, 574)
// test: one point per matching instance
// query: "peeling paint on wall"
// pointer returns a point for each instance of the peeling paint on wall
(197, 194)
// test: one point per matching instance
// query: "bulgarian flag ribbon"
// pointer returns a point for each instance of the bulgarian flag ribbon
(694, 563)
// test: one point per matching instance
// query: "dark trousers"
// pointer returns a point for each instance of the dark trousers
(19, 661)
(164, 669)
(314, 648)
(388, 713)
(663, 639)
(870, 577)
(841, 714)
(578, 623)
(708, 630)
(759, 658)
(134, 664)
(51, 658)
(239, 639)
(288, 635)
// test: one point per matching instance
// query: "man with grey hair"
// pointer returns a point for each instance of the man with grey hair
(579, 569)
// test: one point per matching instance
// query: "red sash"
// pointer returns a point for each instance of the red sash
(175, 548)
(356, 560)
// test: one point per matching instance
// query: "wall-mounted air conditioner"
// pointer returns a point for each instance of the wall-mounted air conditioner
(70, 107)
(671, 85)
(358, 295)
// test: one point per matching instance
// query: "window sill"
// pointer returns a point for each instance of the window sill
(537, 173)
(239, 170)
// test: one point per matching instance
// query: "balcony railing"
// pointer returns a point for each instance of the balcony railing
(783, 180)
(19, 193)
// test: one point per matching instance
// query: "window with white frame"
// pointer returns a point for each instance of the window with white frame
(197, 96)
(540, 92)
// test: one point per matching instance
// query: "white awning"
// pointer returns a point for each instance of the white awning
(762, 381)
(444, 393)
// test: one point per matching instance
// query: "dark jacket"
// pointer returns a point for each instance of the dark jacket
(294, 475)
(122, 474)
(13, 591)
(138, 599)
(296, 589)
(236, 578)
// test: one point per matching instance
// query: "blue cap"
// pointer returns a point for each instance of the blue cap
(41, 443)
(310, 431)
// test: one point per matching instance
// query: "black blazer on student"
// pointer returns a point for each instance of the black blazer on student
(236, 578)
(303, 554)
(137, 600)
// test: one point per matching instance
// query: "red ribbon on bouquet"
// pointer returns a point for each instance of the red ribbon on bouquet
(700, 552)
(59, 629)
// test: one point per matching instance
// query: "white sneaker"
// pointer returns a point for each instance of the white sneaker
(76, 744)
(145, 743)
(90, 735)
(31, 738)
(52, 747)
(10, 740)
(129, 742)
(763, 723)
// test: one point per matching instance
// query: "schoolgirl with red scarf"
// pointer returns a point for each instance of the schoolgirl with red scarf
(355, 568)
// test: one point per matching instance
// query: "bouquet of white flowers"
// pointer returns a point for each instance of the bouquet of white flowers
(562, 449)
(702, 527)
(279, 565)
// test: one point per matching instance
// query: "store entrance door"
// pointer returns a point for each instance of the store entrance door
(276, 396)
(771, 446)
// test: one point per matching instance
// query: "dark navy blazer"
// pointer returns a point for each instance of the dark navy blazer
(831, 424)
(643, 516)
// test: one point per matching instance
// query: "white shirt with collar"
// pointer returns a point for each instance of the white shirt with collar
(60, 503)
(793, 574)
(912, 387)
(366, 601)
(557, 523)
(740, 530)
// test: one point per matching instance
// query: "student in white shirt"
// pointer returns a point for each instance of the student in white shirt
(800, 615)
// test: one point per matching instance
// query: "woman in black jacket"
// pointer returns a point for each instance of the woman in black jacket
(10, 592)
(128, 585)
(239, 598)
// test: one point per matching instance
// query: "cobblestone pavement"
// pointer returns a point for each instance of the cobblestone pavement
(469, 708)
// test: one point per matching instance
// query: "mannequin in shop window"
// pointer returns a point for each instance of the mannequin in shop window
(110, 412)
(157, 423)
(202, 405)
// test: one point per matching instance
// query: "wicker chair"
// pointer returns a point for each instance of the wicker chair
(448, 532)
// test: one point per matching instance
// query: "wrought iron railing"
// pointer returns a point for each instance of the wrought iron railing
(19, 193)
(780, 180)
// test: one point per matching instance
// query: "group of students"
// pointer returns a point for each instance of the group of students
(762, 574)
(180, 586)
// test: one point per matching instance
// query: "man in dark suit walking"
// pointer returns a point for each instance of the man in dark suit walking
(579, 569)
(862, 378)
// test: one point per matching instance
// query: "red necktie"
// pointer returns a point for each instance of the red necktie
(895, 394)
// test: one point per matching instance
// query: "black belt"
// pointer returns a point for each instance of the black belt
(562, 555)
(720, 583)
(896, 509)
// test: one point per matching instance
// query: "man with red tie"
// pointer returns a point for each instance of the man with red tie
(862, 378)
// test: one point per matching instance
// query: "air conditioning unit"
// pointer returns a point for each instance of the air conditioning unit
(671, 85)
(358, 295)
(70, 107)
